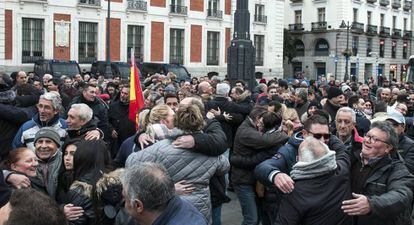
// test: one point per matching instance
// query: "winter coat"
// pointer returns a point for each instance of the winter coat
(119, 121)
(81, 133)
(286, 158)
(182, 164)
(47, 174)
(406, 150)
(5, 191)
(26, 134)
(319, 200)
(80, 194)
(248, 143)
(388, 188)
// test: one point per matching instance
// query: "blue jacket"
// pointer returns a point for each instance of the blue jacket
(179, 212)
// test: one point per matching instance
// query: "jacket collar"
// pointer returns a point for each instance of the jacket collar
(53, 121)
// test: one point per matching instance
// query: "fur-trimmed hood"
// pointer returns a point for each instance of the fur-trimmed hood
(7, 96)
(245, 95)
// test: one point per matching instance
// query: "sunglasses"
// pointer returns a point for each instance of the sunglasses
(319, 135)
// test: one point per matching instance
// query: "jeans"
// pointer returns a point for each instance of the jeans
(247, 199)
(216, 215)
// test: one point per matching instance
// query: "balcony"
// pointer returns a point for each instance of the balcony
(34, 1)
(396, 4)
(260, 18)
(214, 13)
(296, 1)
(319, 26)
(384, 31)
(90, 3)
(372, 30)
(384, 2)
(135, 5)
(178, 9)
(357, 27)
(407, 34)
(407, 5)
(396, 33)
(372, 1)
(296, 27)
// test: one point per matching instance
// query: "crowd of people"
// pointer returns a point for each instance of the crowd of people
(300, 152)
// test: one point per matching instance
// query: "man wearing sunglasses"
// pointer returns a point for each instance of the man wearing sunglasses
(405, 144)
(275, 170)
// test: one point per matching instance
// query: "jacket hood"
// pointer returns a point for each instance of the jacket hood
(7, 96)
(91, 125)
(244, 95)
(296, 139)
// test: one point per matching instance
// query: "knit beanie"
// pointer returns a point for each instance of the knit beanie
(334, 92)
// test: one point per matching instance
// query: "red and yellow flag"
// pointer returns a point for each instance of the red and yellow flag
(136, 99)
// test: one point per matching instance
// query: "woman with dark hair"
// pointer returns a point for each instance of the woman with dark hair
(89, 163)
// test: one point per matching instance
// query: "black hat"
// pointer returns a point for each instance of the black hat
(334, 92)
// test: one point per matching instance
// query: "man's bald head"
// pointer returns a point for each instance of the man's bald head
(311, 149)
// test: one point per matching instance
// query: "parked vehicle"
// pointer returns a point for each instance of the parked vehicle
(56, 68)
(148, 68)
(121, 69)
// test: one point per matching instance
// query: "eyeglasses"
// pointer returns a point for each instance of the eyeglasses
(374, 140)
(319, 135)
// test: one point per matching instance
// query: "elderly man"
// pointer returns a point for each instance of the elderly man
(322, 182)
(405, 144)
(345, 122)
(382, 186)
(150, 198)
(81, 124)
(48, 116)
(386, 95)
(205, 90)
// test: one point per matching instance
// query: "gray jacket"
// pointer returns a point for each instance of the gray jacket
(47, 174)
(182, 164)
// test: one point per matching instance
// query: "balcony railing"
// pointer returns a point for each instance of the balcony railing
(396, 33)
(407, 34)
(384, 31)
(407, 5)
(137, 5)
(396, 4)
(296, 27)
(94, 3)
(260, 18)
(372, 1)
(178, 9)
(297, 1)
(372, 30)
(384, 2)
(214, 13)
(319, 26)
(38, 1)
(357, 27)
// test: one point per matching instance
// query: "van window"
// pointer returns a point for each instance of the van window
(180, 72)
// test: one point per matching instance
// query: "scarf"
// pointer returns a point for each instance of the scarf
(309, 170)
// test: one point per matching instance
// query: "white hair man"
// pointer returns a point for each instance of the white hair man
(321, 184)
(80, 122)
(150, 197)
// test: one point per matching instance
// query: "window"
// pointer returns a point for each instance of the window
(177, 2)
(259, 45)
(32, 39)
(135, 41)
(322, 48)
(355, 15)
(381, 48)
(405, 50)
(298, 16)
(299, 48)
(369, 46)
(394, 49)
(213, 5)
(177, 46)
(259, 13)
(405, 23)
(369, 17)
(88, 42)
(394, 22)
(321, 14)
(382, 20)
(355, 42)
(213, 49)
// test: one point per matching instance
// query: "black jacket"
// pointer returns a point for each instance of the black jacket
(249, 142)
(81, 133)
(319, 200)
(406, 150)
(80, 194)
(5, 191)
(119, 121)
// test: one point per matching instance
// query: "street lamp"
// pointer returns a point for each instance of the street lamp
(108, 70)
(376, 64)
(347, 52)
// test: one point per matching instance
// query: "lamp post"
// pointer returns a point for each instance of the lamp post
(108, 71)
(376, 64)
(336, 54)
(347, 52)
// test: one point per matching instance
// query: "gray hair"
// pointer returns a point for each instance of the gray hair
(346, 110)
(309, 153)
(54, 98)
(149, 183)
(302, 93)
(386, 127)
(222, 89)
(84, 111)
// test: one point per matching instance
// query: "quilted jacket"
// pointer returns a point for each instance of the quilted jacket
(182, 164)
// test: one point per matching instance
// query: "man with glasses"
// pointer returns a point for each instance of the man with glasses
(382, 186)
(405, 144)
(275, 170)
(364, 92)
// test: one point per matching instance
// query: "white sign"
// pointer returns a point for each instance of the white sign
(62, 29)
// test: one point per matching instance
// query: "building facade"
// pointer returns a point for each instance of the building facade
(357, 38)
(195, 33)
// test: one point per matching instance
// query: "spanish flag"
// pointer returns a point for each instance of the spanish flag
(136, 99)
